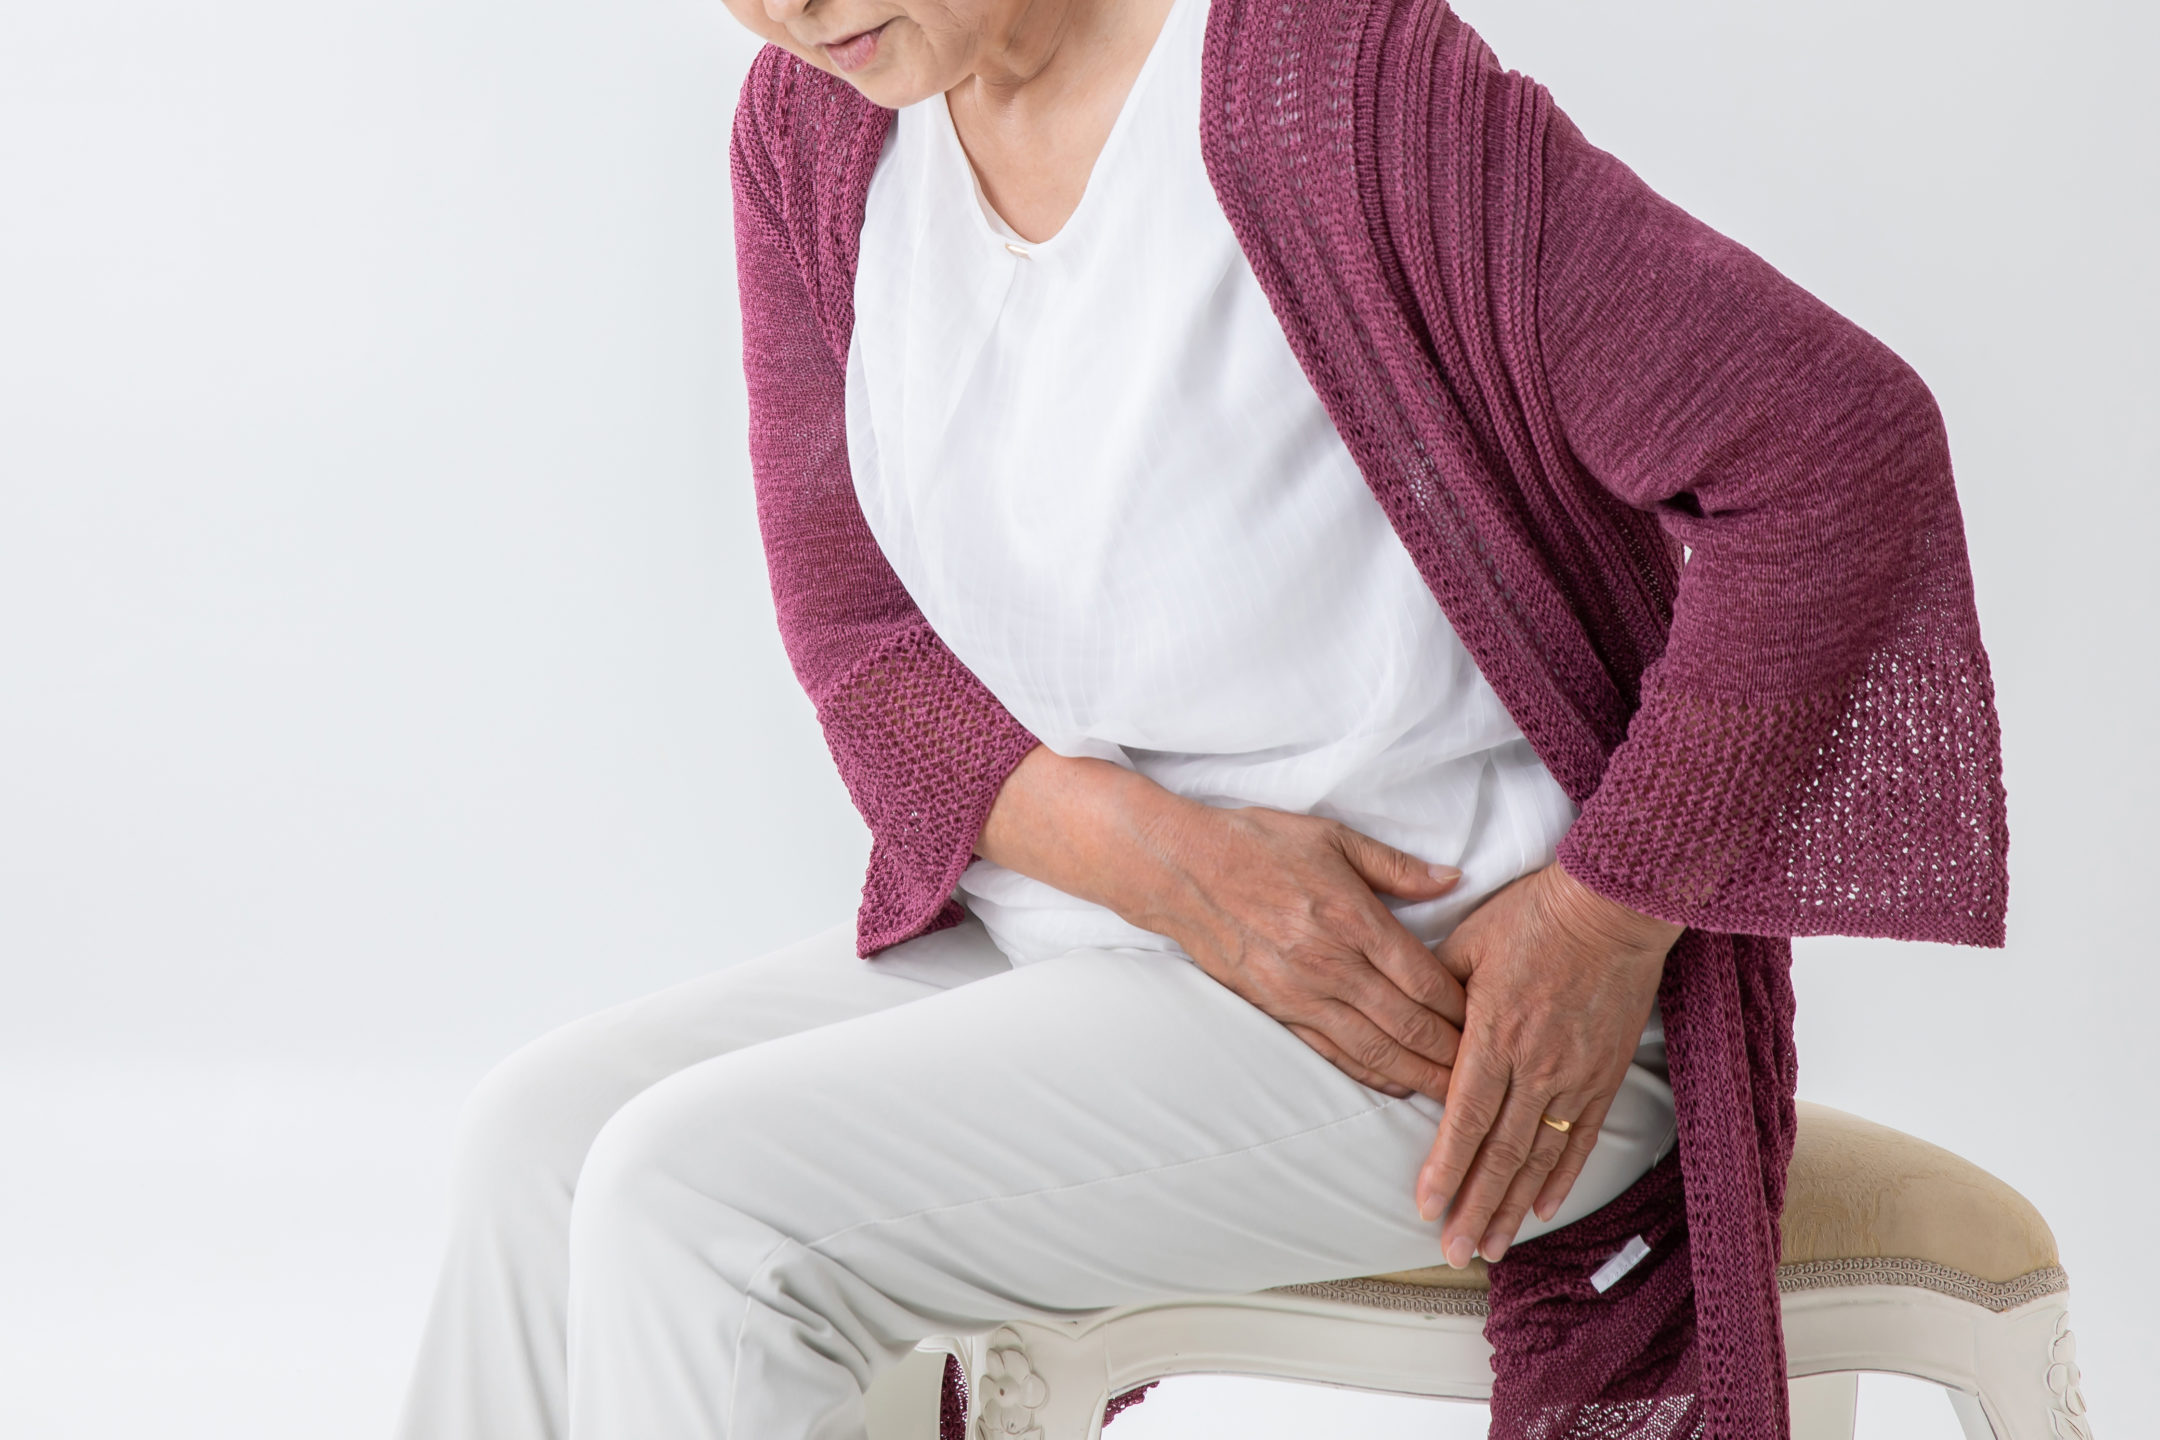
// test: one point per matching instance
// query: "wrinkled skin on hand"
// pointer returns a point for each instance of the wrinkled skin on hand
(1559, 982)
(1283, 909)
(1286, 911)
(1534, 1006)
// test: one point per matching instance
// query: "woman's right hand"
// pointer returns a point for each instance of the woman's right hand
(1283, 909)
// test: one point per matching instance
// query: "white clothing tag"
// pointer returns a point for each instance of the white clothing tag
(1608, 1275)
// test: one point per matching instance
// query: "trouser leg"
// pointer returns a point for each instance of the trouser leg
(756, 1237)
(492, 1361)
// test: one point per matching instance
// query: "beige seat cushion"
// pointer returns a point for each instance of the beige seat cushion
(1862, 1191)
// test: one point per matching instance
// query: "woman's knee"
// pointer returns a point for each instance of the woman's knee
(531, 1119)
(723, 1139)
(655, 1177)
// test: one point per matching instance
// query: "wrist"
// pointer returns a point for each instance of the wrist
(1097, 831)
(1160, 837)
(1619, 923)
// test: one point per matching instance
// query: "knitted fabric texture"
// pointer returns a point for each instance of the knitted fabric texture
(1553, 381)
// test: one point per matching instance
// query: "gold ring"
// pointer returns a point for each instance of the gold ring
(1563, 1126)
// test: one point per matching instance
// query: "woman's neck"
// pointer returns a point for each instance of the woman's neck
(1035, 113)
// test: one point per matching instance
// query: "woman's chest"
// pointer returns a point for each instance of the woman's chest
(1099, 469)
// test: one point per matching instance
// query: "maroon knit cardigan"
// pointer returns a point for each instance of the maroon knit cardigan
(1553, 381)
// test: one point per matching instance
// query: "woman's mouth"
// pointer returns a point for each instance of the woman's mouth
(856, 51)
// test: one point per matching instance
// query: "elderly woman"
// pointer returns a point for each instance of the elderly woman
(1357, 630)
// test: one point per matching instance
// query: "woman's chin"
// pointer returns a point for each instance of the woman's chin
(893, 86)
(886, 94)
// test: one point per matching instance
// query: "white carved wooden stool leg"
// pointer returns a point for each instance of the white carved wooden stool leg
(1825, 1406)
(1035, 1382)
(2027, 1382)
(2011, 1373)
(903, 1403)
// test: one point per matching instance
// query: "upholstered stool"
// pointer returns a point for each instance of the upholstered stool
(1898, 1256)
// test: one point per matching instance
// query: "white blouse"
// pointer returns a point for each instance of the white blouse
(1100, 472)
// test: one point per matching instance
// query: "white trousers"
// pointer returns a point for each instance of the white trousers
(722, 1210)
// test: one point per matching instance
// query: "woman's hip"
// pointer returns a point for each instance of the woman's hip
(1088, 1131)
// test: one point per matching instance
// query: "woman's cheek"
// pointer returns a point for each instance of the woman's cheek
(750, 14)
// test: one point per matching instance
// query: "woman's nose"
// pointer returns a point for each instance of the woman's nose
(782, 11)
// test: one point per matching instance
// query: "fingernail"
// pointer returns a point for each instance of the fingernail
(1459, 1253)
(1428, 1209)
(1444, 872)
(1493, 1252)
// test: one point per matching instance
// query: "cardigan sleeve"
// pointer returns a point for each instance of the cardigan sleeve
(921, 745)
(1816, 750)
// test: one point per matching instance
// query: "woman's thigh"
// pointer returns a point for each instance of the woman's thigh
(1088, 1131)
(531, 1120)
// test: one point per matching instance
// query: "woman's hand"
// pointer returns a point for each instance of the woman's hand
(1286, 911)
(1560, 983)
(1282, 909)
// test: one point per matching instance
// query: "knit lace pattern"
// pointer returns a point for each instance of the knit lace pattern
(1698, 531)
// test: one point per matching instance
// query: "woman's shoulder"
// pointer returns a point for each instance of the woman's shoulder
(805, 146)
(1405, 91)
(1363, 49)
(803, 127)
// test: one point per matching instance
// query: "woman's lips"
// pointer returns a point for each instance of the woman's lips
(856, 51)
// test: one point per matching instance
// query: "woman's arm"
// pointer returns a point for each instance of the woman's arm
(921, 745)
(1815, 748)
(1815, 751)
(1283, 909)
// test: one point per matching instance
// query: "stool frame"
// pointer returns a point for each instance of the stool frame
(2004, 1352)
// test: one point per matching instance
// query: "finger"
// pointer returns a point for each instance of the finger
(1455, 952)
(1474, 1099)
(1412, 967)
(1453, 956)
(1507, 1149)
(1415, 1027)
(1546, 1149)
(1368, 1045)
(1581, 1140)
(1391, 872)
(1330, 1052)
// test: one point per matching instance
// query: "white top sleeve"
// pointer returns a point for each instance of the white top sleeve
(1103, 476)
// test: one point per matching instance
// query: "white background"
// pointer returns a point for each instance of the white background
(387, 671)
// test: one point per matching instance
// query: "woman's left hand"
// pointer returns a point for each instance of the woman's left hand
(1560, 981)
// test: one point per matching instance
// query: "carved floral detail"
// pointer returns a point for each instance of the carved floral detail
(1012, 1392)
(2068, 1416)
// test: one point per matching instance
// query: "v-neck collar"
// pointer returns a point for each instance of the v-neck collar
(992, 226)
